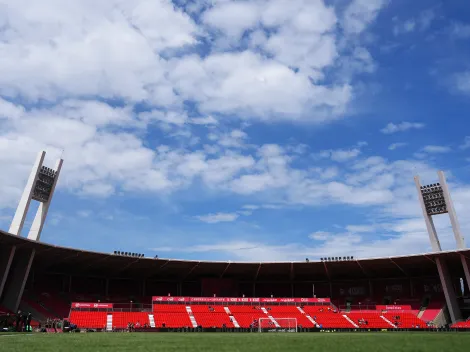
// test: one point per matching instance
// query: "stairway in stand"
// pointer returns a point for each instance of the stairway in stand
(151, 321)
(350, 320)
(388, 321)
(109, 322)
(191, 316)
(276, 324)
(232, 318)
(308, 317)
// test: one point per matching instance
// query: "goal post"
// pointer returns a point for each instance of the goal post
(277, 325)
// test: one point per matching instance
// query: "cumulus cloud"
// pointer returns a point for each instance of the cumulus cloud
(392, 128)
(395, 146)
(218, 217)
(432, 149)
(360, 13)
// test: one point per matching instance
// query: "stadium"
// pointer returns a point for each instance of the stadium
(52, 289)
(234, 175)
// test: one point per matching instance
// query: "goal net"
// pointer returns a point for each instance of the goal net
(277, 325)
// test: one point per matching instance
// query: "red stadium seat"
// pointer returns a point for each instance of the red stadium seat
(211, 318)
(369, 320)
(172, 315)
(121, 319)
(91, 320)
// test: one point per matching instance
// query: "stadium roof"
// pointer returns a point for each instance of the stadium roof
(51, 258)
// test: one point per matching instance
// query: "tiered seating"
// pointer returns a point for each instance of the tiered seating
(245, 315)
(461, 325)
(55, 303)
(407, 320)
(327, 319)
(121, 319)
(289, 312)
(172, 315)
(207, 318)
(96, 320)
(374, 321)
(432, 310)
(39, 308)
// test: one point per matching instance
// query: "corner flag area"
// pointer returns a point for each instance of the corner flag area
(234, 342)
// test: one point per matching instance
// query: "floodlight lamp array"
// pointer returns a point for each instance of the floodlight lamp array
(44, 183)
(337, 259)
(129, 254)
(434, 200)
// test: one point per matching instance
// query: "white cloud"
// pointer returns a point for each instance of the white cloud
(395, 146)
(343, 155)
(252, 86)
(340, 155)
(361, 228)
(460, 30)
(420, 23)
(218, 217)
(320, 235)
(466, 144)
(233, 18)
(84, 213)
(401, 127)
(92, 80)
(360, 13)
(436, 149)
(462, 82)
(207, 120)
(405, 27)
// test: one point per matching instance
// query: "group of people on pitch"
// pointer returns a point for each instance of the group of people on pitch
(19, 322)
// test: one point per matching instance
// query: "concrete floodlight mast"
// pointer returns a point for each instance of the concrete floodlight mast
(435, 199)
(40, 187)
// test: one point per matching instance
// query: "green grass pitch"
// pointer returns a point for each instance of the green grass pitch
(238, 342)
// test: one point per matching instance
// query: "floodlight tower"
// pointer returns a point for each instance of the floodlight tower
(40, 187)
(435, 199)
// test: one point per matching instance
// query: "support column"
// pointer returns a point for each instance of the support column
(459, 239)
(449, 292)
(16, 281)
(435, 244)
(41, 214)
(466, 269)
(6, 258)
(20, 214)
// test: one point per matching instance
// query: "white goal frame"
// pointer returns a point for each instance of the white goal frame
(291, 326)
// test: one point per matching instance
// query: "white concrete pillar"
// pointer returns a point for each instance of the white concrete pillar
(20, 214)
(435, 244)
(451, 211)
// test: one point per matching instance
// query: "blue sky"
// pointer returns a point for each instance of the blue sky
(237, 130)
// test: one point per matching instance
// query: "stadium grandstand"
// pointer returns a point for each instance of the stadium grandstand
(68, 288)
(106, 291)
